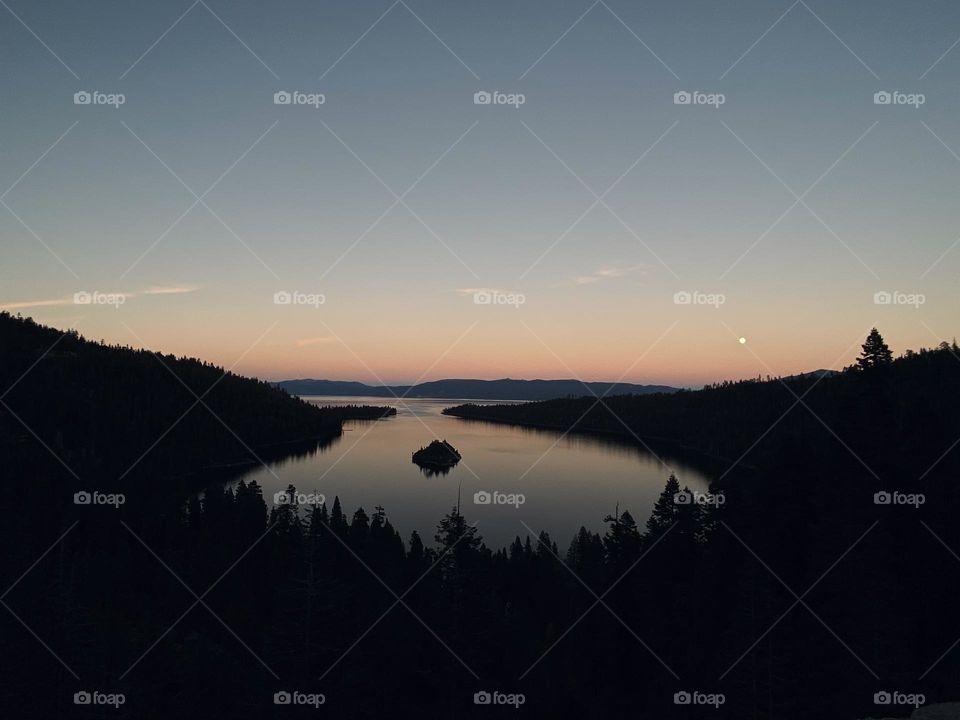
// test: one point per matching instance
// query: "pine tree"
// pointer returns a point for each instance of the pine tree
(622, 541)
(359, 533)
(664, 513)
(338, 523)
(875, 353)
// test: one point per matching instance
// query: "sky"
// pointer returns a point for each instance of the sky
(389, 225)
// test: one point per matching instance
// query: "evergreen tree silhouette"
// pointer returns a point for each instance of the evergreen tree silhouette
(875, 352)
(665, 510)
(622, 541)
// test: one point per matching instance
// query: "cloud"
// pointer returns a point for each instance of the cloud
(171, 290)
(608, 273)
(307, 342)
(69, 300)
(37, 303)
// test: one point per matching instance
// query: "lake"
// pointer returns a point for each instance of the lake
(534, 478)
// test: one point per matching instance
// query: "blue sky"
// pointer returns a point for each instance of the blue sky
(515, 201)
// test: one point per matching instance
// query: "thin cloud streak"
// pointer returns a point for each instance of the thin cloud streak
(609, 273)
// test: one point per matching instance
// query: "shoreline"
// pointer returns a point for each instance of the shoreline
(618, 434)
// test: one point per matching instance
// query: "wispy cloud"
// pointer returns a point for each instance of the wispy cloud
(608, 273)
(171, 290)
(37, 303)
(72, 299)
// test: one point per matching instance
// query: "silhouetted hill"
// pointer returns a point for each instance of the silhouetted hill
(505, 389)
(895, 417)
(111, 411)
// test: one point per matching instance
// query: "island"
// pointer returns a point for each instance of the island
(437, 456)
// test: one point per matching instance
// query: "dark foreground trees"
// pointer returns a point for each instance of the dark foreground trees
(802, 589)
(701, 598)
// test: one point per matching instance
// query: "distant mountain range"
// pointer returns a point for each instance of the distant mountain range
(505, 389)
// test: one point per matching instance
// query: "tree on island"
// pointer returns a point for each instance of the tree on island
(875, 353)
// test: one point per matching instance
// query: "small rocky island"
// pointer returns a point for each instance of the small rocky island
(437, 456)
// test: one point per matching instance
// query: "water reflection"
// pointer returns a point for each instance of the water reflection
(566, 480)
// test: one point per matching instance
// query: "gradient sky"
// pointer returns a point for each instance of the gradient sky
(504, 194)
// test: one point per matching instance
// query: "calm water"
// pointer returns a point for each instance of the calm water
(566, 483)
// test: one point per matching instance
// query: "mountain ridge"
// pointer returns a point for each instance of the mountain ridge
(462, 388)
